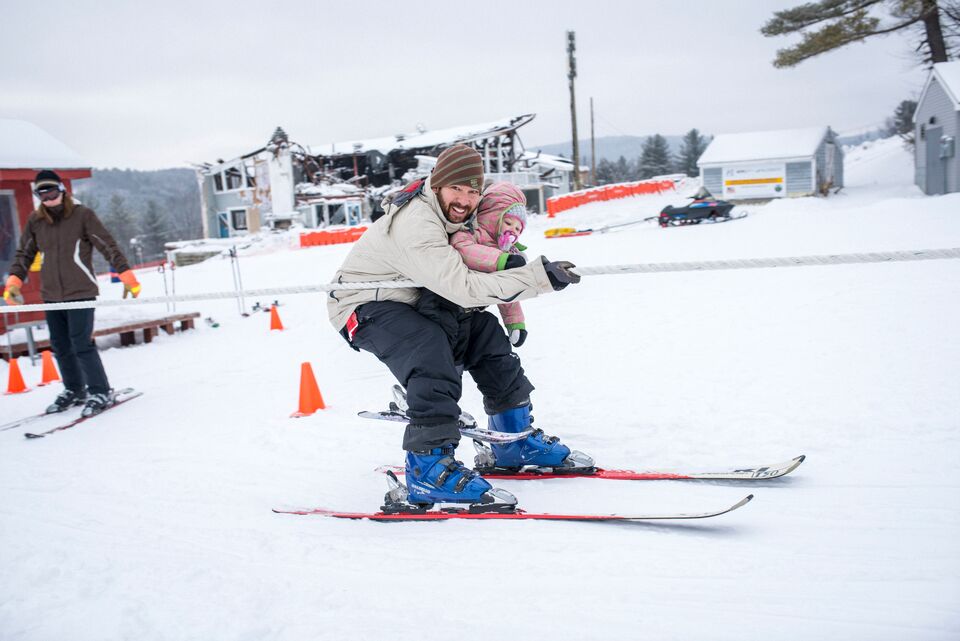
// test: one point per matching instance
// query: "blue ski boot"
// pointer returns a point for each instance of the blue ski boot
(437, 477)
(537, 450)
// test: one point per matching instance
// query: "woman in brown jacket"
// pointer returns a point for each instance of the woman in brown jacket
(65, 233)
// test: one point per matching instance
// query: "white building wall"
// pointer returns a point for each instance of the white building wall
(936, 105)
(281, 182)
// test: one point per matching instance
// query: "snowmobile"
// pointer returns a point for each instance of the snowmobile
(704, 208)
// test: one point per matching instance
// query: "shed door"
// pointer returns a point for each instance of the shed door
(936, 174)
(223, 224)
(354, 213)
(831, 162)
(8, 230)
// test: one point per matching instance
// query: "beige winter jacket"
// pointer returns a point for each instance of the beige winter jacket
(413, 242)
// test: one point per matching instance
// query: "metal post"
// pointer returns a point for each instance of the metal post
(593, 148)
(31, 346)
(166, 292)
(572, 74)
(173, 283)
(237, 280)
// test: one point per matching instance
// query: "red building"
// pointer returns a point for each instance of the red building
(25, 149)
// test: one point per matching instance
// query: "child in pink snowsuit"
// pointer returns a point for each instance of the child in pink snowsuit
(493, 246)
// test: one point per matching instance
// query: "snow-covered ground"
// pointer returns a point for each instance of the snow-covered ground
(154, 521)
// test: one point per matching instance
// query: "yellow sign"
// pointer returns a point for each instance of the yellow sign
(755, 181)
(766, 180)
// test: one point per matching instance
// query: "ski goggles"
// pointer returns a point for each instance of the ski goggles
(48, 192)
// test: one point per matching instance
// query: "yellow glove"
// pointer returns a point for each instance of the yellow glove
(130, 283)
(12, 293)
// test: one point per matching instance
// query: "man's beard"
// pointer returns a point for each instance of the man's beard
(450, 215)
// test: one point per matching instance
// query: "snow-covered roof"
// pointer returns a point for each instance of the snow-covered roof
(948, 75)
(782, 144)
(23, 145)
(336, 190)
(549, 160)
(423, 139)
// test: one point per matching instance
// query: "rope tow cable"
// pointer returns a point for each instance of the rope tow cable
(641, 268)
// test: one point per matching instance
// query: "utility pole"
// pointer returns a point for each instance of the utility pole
(571, 74)
(593, 149)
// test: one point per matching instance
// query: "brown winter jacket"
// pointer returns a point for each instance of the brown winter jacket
(67, 245)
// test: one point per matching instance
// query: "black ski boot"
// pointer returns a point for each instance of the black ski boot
(96, 403)
(67, 399)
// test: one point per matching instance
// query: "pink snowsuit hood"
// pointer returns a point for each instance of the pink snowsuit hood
(479, 248)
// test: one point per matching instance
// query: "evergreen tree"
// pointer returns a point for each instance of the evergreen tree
(120, 222)
(902, 121)
(609, 173)
(655, 158)
(90, 201)
(691, 149)
(153, 228)
(624, 170)
(830, 24)
(605, 172)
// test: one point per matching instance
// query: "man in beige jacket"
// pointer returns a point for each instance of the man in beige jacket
(426, 351)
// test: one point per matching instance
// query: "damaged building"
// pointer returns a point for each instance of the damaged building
(284, 183)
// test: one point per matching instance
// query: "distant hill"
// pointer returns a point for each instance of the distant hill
(877, 133)
(175, 191)
(608, 147)
(121, 198)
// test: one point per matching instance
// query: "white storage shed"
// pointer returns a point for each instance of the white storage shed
(772, 164)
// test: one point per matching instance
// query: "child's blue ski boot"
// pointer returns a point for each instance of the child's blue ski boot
(537, 450)
(437, 477)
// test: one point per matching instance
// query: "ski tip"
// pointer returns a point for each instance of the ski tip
(741, 502)
(30, 435)
(794, 464)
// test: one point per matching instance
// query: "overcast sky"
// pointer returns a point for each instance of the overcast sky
(162, 84)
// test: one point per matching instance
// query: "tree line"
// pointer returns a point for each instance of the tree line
(655, 159)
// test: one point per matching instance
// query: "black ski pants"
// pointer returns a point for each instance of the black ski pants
(71, 336)
(424, 357)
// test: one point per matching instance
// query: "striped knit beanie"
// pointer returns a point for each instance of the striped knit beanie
(499, 200)
(458, 165)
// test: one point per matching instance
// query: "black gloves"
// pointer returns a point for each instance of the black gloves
(514, 260)
(559, 273)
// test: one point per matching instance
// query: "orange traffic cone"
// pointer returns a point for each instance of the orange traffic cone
(310, 399)
(275, 319)
(16, 384)
(50, 374)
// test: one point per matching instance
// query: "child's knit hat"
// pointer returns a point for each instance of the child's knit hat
(503, 199)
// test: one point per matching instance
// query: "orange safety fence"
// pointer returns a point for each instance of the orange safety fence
(558, 204)
(331, 236)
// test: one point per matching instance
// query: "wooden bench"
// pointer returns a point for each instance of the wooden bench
(150, 328)
(128, 333)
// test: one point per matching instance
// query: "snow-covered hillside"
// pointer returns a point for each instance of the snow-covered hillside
(154, 522)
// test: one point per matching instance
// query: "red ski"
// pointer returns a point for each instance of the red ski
(760, 473)
(447, 514)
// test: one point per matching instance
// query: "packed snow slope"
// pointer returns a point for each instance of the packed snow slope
(153, 522)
